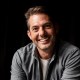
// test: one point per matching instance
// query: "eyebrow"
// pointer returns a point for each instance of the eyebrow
(47, 23)
(35, 26)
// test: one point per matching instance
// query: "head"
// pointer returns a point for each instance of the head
(42, 29)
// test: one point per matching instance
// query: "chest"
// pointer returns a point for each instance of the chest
(54, 71)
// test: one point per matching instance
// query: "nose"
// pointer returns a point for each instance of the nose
(41, 32)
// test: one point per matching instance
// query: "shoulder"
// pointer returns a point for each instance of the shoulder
(68, 54)
(23, 51)
(68, 47)
(66, 50)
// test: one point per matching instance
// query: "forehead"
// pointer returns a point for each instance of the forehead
(38, 18)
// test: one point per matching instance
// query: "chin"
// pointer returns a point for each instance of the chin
(45, 47)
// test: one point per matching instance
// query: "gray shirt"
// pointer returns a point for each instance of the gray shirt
(65, 65)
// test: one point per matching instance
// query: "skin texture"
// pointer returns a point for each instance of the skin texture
(42, 33)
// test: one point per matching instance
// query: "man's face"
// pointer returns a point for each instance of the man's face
(42, 31)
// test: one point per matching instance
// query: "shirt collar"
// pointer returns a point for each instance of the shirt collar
(34, 52)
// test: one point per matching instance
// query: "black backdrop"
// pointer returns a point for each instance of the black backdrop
(13, 29)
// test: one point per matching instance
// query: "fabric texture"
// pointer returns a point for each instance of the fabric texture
(44, 64)
(65, 65)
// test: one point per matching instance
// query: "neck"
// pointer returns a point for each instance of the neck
(45, 54)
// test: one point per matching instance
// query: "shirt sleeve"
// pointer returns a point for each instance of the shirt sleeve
(17, 73)
(72, 66)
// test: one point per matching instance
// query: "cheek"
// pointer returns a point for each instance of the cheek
(51, 32)
(34, 36)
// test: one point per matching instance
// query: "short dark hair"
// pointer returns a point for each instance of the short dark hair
(38, 10)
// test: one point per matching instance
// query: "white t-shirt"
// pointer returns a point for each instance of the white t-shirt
(44, 64)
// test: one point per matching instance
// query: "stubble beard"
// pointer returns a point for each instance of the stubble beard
(46, 47)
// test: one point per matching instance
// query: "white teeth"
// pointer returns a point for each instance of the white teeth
(43, 39)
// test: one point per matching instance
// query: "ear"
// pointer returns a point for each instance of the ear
(29, 34)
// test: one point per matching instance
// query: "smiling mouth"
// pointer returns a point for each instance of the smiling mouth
(45, 40)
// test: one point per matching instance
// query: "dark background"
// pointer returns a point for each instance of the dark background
(13, 28)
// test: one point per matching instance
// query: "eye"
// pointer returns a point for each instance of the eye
(48, 25)
(35, 29)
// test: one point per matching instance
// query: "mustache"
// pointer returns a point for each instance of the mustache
(44, 36)
(47, 37)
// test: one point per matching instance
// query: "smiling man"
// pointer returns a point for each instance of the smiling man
(46, 57)
(42, 33)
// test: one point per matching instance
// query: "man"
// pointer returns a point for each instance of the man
(47, 57)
